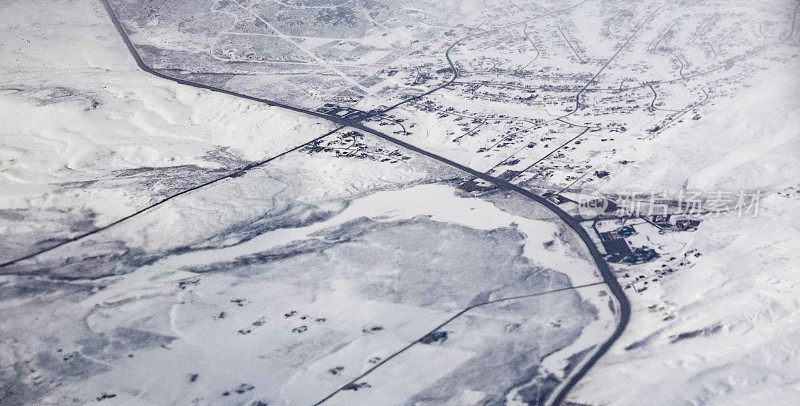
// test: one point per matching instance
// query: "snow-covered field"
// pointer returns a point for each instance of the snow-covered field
(142, 265)
(278, 285)
(738, 300)
(87, 137)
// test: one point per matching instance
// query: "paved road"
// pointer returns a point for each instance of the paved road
(574, 224)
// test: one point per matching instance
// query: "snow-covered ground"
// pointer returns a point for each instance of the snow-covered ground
(86, 137)
(278, 285)
(285, 283)
(737, 304)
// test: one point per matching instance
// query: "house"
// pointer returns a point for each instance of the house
(616, 248)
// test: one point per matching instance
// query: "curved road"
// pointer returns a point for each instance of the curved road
(574, 224)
